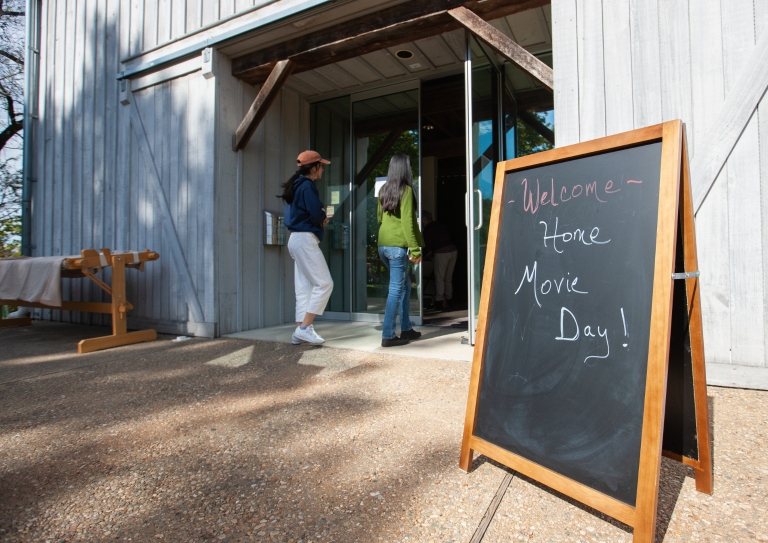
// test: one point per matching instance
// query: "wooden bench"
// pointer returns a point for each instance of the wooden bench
(87, 265)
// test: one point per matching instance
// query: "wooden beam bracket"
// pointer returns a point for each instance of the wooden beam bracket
(505, 46)
(263, 101)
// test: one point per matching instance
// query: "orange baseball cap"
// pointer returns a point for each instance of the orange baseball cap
(310, 157)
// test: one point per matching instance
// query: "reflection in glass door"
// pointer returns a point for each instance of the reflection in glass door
(484, 137)
(329, 136)
(382, 126)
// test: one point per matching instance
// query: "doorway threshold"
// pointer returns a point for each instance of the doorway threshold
(435, 342)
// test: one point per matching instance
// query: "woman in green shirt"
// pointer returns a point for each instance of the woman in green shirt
(399, 235)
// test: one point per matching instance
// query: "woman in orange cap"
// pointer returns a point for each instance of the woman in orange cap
(305, 218)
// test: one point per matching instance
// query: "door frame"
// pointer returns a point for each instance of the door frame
(469, 200)
(404, 86)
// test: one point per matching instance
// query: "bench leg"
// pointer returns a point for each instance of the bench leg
(106, 342)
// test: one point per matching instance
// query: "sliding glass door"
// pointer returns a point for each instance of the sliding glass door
(382, 125)
(490, 135)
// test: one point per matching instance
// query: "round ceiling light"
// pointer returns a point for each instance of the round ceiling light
(404, 54)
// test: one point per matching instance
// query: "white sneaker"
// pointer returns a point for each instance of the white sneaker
(309, 335)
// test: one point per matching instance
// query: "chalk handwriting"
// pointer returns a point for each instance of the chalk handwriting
(530, 276)
(555, 196)
(545, 287)
(624, 321)
(575, 335)
(578, 235)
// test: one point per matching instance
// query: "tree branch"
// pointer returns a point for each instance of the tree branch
(11, 56)
(10, 131)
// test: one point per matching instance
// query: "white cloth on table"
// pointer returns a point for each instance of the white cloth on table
(34, 280)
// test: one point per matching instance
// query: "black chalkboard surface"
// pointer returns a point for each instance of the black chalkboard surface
(680, 435)
(568, 326)
(582, 320)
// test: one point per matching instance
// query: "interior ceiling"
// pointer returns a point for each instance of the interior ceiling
(433, 57)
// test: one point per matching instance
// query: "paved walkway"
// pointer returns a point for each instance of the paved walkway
(240, 440)
(435, 342)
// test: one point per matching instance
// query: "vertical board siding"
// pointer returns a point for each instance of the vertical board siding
(744, 214)
(761, 26)
(589, 23)
(206, 132)
(136, 26)
(92, 183)
(291, 132)
(566, 71)
(227, 189)
(707, 96)
(267, 296)
(706, 46)
(178, 17)
(617, 45)
(646, 82)
(193, 184)
(156, 22)
(668, 59)
(252, 219)
(273, 169)
(41, 192)
(68, 185)
(78, 102)
(674, 53)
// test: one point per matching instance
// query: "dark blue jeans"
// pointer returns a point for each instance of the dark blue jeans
(399, 298)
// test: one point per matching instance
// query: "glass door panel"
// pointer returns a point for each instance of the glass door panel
(382, 126)
(483, 145)
(508, 116)
(330, 137)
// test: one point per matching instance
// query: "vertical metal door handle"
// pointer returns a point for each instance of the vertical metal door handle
(466, 209)
(479, 209)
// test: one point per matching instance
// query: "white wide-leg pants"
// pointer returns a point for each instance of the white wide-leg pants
(312, 278)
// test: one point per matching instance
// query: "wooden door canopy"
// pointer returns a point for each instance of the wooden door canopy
(264, 99)
(386, 28)
(505, 46)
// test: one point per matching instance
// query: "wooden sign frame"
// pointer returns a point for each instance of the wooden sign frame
(674, 197)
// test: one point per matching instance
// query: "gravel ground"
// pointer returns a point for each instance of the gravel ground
(235, 440)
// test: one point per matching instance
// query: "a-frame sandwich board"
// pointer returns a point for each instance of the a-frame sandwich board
(527, 389)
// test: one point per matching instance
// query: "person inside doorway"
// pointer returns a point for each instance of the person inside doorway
(439, 244)
(305, 218)
(399, 242)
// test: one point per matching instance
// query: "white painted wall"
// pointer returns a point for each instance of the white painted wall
(625, 64)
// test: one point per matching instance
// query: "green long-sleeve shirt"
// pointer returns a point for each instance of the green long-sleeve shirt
(399, 228)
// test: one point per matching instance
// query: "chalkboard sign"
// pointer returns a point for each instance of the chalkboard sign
(574, 330)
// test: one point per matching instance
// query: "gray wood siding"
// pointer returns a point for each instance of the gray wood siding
(254, 281)
(94, 187)
(625, 64)
(153, 23)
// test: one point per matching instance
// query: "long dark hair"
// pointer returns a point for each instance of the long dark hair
(287, 186)
(398, 177)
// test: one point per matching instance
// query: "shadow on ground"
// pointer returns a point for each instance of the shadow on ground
(226, 439)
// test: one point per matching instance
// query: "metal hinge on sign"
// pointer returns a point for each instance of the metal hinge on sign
(686, 275)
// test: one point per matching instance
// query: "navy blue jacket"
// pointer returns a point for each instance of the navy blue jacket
(306, 213)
